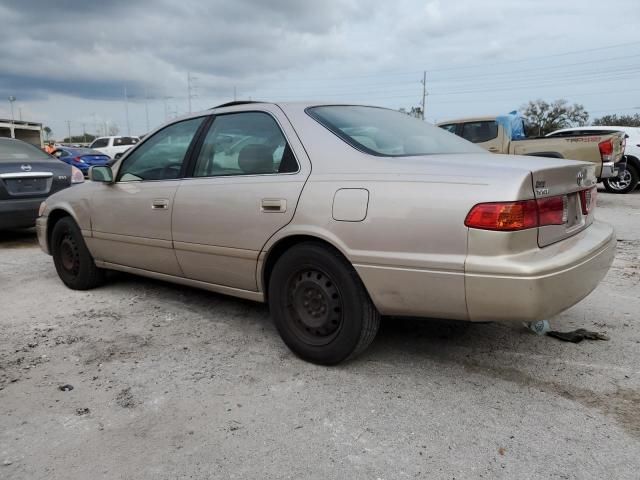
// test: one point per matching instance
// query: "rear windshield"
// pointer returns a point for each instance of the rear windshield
(15, 150)
(119, 142)
(388, 133)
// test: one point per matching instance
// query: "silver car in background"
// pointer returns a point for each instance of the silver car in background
(336, 215)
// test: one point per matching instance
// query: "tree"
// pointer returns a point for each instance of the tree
(113, 129)
(619, 121)
(47, 133)
(86, 138)
(413, 112)
(546, 117)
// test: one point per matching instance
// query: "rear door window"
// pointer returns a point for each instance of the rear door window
(246, 143)
(100, 143)
(479, 132)
(124, 141)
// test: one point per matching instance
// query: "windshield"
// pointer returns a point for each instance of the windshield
(388, 133)
(15, 150)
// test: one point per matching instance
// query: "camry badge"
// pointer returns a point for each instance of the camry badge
(25, 168)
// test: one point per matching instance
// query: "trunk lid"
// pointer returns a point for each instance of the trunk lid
(575, 184)
(28, 179)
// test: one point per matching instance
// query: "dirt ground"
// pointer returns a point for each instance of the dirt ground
(172, 382)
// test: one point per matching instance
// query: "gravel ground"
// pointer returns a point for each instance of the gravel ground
(172, 382)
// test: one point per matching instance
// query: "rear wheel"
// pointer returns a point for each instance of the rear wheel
(320, 306)
(73, 262)
(625, 182)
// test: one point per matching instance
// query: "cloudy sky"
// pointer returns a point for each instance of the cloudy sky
(71, 60)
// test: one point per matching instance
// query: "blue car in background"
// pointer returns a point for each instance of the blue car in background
(82, 158)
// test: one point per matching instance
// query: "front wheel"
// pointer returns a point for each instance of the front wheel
(625, 182)
(319, 305)
(73, 261)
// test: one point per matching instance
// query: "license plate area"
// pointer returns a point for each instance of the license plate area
(27, 185)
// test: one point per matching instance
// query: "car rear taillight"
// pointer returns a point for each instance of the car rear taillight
(588, 200)
(606, 150)
(512, 216)
(553, 210)
(76, 175)
(503, 216)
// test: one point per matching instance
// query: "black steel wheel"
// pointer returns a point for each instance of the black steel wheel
(320, 306)
(314, 310)
(73, 261)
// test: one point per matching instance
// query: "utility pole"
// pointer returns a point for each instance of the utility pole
(190, 88)
(126, 109)
(146, 107)
(166, 108)
(84, 133)
(424, 92)
(11, 100)
(69, 129)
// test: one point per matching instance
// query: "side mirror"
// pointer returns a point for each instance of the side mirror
(101, 174)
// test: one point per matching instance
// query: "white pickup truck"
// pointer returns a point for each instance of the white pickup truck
(113, 146)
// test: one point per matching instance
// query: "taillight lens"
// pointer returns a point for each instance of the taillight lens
(588, 200)
(78, 160)
(606, 150)
(76, 175)
(503, 216)
(511, 216)
(553, 210)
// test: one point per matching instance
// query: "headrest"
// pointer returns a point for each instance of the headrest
(256, 158)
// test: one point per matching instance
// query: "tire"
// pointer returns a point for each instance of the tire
(319, 305)
(626, 182)
(74, 264)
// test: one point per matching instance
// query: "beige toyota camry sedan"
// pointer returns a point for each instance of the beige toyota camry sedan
(336, 215)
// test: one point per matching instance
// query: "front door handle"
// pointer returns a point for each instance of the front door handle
(159, 204)
(494, 149)
(277, 205)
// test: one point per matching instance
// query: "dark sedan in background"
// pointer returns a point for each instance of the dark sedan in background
(82, 158)
(27, 177)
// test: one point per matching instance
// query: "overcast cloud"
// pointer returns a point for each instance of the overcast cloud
(72, 59)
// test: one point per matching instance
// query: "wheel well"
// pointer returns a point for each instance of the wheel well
(281, 247)
(54, 217)
(634, 162)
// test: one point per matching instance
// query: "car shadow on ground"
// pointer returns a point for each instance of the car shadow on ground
(18, 238)
(436, 339)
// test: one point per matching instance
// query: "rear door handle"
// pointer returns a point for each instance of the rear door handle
(277, 205)
(159, 204)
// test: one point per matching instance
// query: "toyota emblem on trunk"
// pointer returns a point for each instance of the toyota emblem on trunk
(580, 178)
(25, 168)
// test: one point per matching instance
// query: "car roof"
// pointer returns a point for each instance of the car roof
(485, 118)
(80, 150)
(115, 136)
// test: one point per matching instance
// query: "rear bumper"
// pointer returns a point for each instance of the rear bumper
(19, 213)
(540, 283)
(609, 169)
